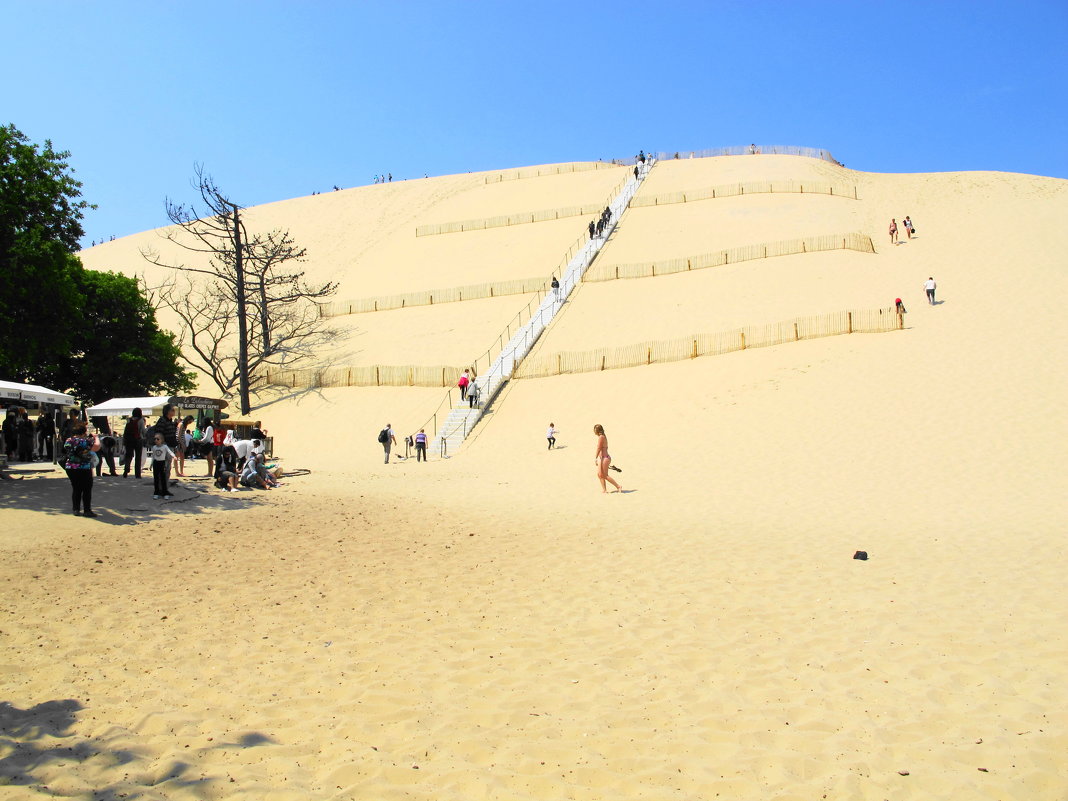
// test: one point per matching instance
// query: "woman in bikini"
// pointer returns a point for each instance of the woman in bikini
(603, 460)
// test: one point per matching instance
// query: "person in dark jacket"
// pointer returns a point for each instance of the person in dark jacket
(25, 438)
(133, 440)
(11, 433)
(46, 436)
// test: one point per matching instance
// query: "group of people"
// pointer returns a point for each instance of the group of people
(906, 223)
(596, 228)
(469, 390)
(167, 443)
(19, 435)
(26, 440)
(384, 179)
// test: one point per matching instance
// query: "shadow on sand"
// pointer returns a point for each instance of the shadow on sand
(36, 741)
(116, 500)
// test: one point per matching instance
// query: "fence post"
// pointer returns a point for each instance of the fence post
(694, 356)
(850, 322)
(617, 271)
(803, 248)
(649, 355)
(602, 361)
(743, 340)
(797, 336)
(559, 371)
(378, 381)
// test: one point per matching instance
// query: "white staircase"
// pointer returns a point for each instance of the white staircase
(462, 419)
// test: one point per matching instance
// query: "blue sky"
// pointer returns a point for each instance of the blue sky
(279, 99)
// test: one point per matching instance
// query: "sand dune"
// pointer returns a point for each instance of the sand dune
(491, 626)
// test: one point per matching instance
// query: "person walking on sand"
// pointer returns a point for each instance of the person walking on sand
(893, 232)
(420, 445)
(388, 440)
(551, 436)
(603, 460)
(929, 286)
(907, 222)
(464, 381)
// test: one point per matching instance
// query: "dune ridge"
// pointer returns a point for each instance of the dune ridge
(491, 626)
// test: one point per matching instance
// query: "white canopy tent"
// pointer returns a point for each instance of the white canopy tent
(123, 407)
(30, 393)
(152, 407)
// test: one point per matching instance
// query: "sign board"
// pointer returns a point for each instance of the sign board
(196, 402)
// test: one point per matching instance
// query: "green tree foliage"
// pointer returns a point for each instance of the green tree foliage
(120, 350)
(63, 326)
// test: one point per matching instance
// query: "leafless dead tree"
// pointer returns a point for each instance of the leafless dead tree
(239, 276)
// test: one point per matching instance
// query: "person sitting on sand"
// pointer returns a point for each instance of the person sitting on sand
(261, 468)
(250, 476)
(603, 460)
(226, 481)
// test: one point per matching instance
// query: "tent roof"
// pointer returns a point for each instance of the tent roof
(33, 393)
(123, 407)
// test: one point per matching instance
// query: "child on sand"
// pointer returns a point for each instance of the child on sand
(161, 468)
(551, 435)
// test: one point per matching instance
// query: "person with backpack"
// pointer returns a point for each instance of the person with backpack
(463, 383)
(387, 439)
(78, 450)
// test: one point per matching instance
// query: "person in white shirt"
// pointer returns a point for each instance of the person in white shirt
(161, 468)
(246, 448)
(551, 436)
(930, 286)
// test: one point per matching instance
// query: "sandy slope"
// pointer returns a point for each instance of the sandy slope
(490, 626)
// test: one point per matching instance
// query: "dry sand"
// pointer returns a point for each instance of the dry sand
(491, 626)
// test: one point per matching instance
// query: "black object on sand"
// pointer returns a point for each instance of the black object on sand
(861, 555)
(613, 467)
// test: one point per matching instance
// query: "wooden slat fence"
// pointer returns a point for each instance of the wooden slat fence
(690, 347)
(851, 241)
(430, 297)
(369, 375)
(549, 169)
(749, 188)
